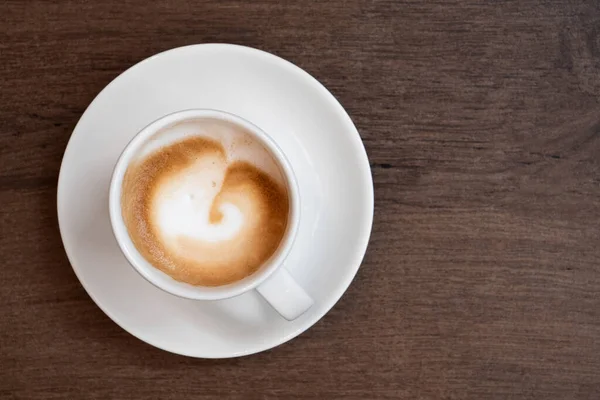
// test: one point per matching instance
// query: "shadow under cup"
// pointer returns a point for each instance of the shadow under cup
(271, 280)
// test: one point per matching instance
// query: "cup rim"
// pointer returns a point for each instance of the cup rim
(162, 280)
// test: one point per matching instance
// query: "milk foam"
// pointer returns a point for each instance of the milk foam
(183, 206)
(205, 202)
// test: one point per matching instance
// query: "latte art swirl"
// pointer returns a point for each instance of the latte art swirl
(200, 216)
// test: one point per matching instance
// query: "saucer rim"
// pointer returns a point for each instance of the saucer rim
(361, 158)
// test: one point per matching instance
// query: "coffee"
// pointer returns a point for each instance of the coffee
(205, 202)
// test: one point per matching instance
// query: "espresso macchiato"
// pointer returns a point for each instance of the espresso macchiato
(205, 202)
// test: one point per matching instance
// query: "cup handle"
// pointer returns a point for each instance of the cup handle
(285, 295)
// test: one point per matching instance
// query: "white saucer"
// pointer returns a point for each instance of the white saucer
(309, 125)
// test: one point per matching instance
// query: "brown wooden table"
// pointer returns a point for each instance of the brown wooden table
(482, 123)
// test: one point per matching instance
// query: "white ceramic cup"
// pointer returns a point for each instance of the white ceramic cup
(271, 280)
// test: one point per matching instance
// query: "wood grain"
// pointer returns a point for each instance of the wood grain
(482, 123)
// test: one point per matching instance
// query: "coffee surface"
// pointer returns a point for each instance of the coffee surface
(208, 208)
